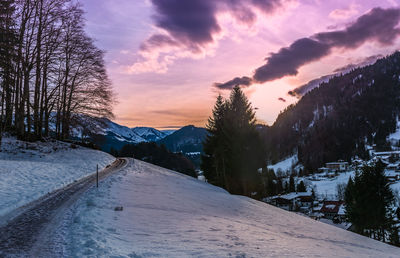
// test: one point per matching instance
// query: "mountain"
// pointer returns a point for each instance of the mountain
(108, 134)
(188, 139)
(149, 134)
(338, 119)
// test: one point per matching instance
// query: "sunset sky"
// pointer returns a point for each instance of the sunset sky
(169, 59)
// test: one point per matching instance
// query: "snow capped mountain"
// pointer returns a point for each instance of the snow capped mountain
(149, 134)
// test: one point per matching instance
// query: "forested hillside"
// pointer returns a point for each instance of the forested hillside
(337, 119)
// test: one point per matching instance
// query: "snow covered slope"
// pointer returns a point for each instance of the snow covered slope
(168, 214)
(284, 165)
(31, 170)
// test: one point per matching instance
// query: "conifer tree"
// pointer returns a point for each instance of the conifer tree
(233, 150)
(369, 202)
(292, 187)
(301, 187)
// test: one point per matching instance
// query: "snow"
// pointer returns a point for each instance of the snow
(148, 133)
(395, 137)
(167, 214)
(326, 187)
(285, 164)
(31, 170)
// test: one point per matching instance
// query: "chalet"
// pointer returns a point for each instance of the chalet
(392, 176)
(330, 209)
(386, 154)
(337, 166)
(292, 201)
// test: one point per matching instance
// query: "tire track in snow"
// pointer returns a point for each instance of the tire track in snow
(23, 232)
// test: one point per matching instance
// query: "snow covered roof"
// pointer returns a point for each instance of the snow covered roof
(331, 206)
(342, 210)
(291, 196)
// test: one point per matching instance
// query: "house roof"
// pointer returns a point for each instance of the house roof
(337, 163)
(291, 196)
(331, 206)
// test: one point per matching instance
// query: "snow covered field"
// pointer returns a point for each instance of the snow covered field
(31, 170)
(167, 214)
(285, 164)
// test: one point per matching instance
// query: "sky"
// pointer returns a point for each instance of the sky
(169, 59)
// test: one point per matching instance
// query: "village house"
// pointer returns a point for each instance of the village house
(292, 201)
(331, 209)
(337, 166)
(392, 176)
(386, 154)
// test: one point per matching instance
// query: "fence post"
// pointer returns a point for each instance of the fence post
(97, 175)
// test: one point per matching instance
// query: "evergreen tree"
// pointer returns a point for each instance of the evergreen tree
(301, 187)
(369, 201)
(233, 150)
(213, 161)
(292, 187)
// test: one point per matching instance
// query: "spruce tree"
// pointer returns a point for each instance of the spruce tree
(301, 187)
(233, 150)
(292, 187)
(369, 202)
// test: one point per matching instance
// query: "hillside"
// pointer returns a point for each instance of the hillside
(340, 117)
(171, 215)
(31, 170)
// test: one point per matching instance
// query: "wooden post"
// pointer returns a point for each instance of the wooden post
(97, 175)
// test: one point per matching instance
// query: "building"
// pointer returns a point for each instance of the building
(330, 209)
(392, 176)
(291, 201)
(337, 166)
(386, 154)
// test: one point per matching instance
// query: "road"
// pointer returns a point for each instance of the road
(27, 234)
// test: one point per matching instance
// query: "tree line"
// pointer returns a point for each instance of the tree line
(158, 155)
(233, 150)
(50, 69)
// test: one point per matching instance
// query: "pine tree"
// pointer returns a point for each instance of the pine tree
(369, 201)
(213, 159)
(233, 150)
(301, 187)
(292, 187)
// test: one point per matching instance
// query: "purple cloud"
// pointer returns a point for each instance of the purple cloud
(241, 81)
(379, 25)
(193, 23)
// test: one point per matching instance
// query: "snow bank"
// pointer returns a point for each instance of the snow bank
(285, 164)
(31, 170)
(167, 214)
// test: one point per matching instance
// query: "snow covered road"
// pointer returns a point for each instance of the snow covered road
(30, 233)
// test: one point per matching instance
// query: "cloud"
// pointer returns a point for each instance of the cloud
(189, 28)
(287, 60)
(345, 13)
(241, 81)
(379, 25)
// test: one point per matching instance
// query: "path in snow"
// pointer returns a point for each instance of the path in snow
(30, 232)
(167, 214)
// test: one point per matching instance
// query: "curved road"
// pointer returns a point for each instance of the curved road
(20, 235)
